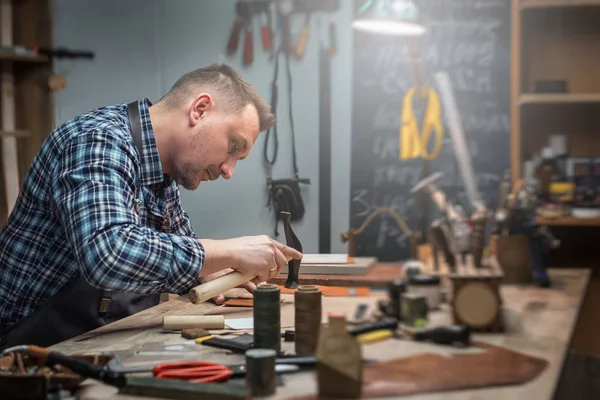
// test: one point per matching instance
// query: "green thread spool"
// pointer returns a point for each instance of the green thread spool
(267, 317)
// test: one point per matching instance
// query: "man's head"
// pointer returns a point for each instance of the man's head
(215, 116)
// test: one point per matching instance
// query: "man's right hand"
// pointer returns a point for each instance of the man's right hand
(260, 256)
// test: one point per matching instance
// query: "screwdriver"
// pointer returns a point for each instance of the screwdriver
(446, 335)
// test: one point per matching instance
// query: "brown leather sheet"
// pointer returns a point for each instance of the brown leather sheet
(429, 373)
(377, 276)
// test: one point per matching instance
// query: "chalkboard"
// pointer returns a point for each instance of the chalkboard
(469, 40)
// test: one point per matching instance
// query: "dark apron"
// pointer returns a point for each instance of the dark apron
(79, 307)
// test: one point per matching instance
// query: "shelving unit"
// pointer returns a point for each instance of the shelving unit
(27, 108)
(555, 40)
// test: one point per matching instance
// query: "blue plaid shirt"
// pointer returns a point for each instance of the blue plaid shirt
(91, 207)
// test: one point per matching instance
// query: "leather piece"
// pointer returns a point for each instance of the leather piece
(335, 291)
(430, 373)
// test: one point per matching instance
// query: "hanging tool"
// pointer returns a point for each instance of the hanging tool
(249, 38)
(332, 39)
(266, 27)
(285, 10)
(304, 32)
(414, 142)
(236, 29)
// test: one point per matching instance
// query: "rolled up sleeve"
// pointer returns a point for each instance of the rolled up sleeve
(94, 197)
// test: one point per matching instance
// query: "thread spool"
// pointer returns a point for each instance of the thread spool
(396, 288)
(260, 371)
(267, 317)
(308, 314)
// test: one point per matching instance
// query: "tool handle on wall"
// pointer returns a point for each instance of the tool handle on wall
(332, 41)
(248, 47)
(301, 46)
(234, 37)
(265, 31)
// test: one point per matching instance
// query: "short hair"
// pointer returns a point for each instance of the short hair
(226, 85)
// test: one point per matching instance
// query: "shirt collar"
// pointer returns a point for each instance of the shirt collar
(152, 172)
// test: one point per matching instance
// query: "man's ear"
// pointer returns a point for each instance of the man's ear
(200, 106)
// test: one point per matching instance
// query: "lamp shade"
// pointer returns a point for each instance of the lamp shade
(389, 17)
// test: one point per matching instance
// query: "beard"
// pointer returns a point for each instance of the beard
(188, 176)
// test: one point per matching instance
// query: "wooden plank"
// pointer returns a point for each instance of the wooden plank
(568, 221)
(35, 109)
(353, 266)
(24, 58)
(20, 133)
(378, 276)
(539, 323)
(515, 88)
(9, 144)
(552, 98)
(527, 4)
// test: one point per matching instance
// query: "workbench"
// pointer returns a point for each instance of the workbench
(539, 322)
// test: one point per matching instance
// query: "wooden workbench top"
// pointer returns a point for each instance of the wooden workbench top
(539, 323)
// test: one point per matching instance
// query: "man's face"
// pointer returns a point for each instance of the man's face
(215, 142)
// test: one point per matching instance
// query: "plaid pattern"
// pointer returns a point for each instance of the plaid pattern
(77, 214)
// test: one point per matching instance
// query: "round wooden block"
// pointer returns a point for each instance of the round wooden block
(476, 304)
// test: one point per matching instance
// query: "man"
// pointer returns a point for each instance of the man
(98, 231)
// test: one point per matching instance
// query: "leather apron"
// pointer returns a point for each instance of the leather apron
(79, 307)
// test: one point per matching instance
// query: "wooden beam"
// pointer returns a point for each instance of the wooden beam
(515, 86)
(9, 143)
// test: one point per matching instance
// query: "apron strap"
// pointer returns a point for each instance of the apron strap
(133, 113)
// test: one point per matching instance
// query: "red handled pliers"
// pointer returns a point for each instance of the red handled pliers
(197, 371)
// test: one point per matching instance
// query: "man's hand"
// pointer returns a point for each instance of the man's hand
(220, 299)
(260, 256)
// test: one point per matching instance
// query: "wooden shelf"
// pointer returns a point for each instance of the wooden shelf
(555, 98)
(17, 133)
(18, 57)
(568, 221)
(529, 4)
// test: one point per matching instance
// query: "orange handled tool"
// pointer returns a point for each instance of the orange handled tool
(234, 37)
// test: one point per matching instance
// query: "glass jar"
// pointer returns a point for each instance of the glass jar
(429, 287)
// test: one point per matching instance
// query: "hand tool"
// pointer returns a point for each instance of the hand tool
(384, 323)
(236, 29)
(304, 32)
(249, 38)
(292, 241)
(332, 39)
(210, 289)
(266, 28)
(453, 335)
(226, 344)
(207, 372)
(375, 336)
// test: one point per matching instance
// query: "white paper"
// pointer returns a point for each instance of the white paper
(324, 259)
(240, 323)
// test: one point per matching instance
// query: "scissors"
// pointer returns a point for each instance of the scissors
(206, 372)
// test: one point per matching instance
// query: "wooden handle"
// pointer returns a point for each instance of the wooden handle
(201, 293)
(234, 37)
(301, 46)
(180, 322)
(248, 48)
(210, 289)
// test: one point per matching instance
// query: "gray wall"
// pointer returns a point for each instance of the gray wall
(142, 47)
